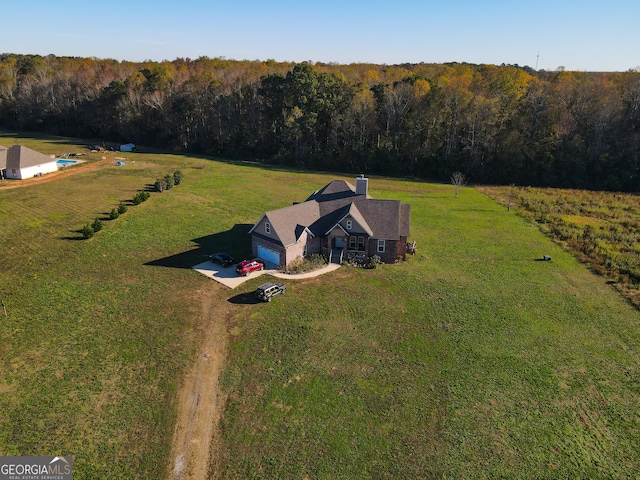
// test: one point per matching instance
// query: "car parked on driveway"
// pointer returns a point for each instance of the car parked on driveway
(245, 267)
(267, 291)
(224, 259)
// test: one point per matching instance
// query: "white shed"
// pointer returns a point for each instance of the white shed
(3, 161)
(22, 162)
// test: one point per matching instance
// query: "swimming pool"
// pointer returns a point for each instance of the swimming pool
(65, 162)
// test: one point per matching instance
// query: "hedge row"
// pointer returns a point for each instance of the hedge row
(91, 228)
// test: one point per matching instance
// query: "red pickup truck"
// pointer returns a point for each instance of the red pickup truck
(245, 267)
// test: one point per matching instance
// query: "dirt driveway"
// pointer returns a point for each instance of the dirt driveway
(67, 172)
(201, 401)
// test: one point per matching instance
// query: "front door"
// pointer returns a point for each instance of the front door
(339, 243)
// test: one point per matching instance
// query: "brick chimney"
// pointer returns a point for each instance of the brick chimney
(362, 185)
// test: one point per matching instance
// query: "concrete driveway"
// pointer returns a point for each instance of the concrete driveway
(229, 277)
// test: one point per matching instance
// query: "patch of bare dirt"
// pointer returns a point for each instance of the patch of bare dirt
(201, 401)
(67, 172)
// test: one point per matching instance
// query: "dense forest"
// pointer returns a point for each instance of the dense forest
(496, 124)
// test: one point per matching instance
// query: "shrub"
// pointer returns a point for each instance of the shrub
(113, 214)
(317, 259)
(168, 182)
(96, 225)
(372, 262)
(122, 208)
(301, 265)
(87, 231)
(352, 258)
(295, 266)
(140, 197)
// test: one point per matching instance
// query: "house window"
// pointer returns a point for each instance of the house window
(381, 246)
(361, 243)
(353, 243)
(349, 224)
(267, 227)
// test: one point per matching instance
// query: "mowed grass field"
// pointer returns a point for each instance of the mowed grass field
(601, 228)
(471, 360)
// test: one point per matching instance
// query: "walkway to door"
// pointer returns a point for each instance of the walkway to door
(229, 277)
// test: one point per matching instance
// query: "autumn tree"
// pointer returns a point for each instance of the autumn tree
(501, 124)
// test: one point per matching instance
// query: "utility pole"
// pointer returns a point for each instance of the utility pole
(537, 57)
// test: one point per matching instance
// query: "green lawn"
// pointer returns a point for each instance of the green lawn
(600, 228)
(470, 360)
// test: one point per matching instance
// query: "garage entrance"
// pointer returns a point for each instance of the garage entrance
(268, 255)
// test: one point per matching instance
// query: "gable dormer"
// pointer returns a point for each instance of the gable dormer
(354, 223)
(265, 228)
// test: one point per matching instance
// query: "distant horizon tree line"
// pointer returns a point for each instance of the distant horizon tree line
(495, 124)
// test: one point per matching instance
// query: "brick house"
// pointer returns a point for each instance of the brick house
(336, 221)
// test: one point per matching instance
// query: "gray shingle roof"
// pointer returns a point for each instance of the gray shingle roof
(3, 157)
(357, 216)
(328, 219)
(20, 156)
(285, 221)
(334, 190)
(384, 219)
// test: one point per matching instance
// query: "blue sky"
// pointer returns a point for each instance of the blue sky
(581, 35)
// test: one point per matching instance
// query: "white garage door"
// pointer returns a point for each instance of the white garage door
(268, 255)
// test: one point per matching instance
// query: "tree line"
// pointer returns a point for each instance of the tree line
(496, 124)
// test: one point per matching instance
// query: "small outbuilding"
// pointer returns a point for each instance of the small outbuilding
(22, 163)
(128, 147)
(3, 161)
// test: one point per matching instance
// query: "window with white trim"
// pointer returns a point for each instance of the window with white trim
(267, 227)
(361, 243)
(381, 246)
(349, 224)
(353, 242)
